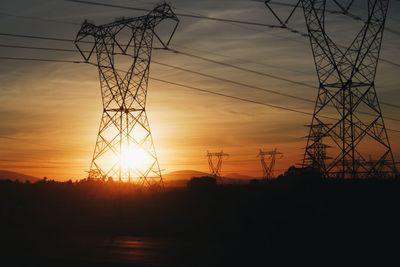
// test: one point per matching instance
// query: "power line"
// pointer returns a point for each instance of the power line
(70, 40)
(251, 86)
(37, 18)
(173, 83)
(42, 59)
(232, 97)
(242, 99)
(217, 54)
(343, 12)
(173, 50)
(198, 73)
(263, 73)
(141, 9)
(189, 55)
(245, 60)
(36, 37)
(235, 24)
(175, 67)
(39, 48)
(390, 62)
(178, 14)
(169, 82)
(195, 16)
(255, 87)
(233, 82)
(195, 72)
(242, 69)
(199, 16)
(268, 65)
(203, 74)
(336, 12)
(54, 39)
(184, 86)
(392, 31)
(273, 26)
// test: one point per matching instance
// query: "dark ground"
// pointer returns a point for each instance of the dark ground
(330, 222)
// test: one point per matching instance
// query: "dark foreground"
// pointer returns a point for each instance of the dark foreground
(91, 224)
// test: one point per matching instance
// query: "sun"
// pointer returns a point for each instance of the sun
(135, 161)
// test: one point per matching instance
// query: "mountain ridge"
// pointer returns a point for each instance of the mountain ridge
(12, 175)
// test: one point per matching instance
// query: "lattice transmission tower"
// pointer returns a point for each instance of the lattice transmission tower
(268, 161)
(347, 109)
(215, 162)
(316, 152)
(124, 148)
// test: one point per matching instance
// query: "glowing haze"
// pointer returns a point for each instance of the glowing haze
(50, 112)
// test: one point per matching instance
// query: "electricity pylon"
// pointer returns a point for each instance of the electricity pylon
(347, 106)
(215, 166)
(124, 148)
(316, 152)
(268, 160)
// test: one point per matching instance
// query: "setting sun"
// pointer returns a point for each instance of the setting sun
(135, 161)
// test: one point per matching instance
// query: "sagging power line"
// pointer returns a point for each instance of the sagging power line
(173, 50)
(276, 77)
(184, 86)
(282, 25)
(343, 10)
(206, 75)
(38, 19)
(199, 16)
(178, 14)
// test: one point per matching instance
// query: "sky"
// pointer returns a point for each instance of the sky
(50, 112)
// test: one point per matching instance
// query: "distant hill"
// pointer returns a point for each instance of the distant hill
(180, 178)
(183, 175)
(4, 175)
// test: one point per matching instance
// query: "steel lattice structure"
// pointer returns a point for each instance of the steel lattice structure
(124, 148)
(215, 167)
(347, 110)
(268, 168)
(316, 156)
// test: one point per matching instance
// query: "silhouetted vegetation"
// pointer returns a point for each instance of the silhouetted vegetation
(301, 175)
(202, 183)
(314, 221)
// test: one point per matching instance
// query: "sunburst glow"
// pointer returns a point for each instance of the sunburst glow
(135, 161)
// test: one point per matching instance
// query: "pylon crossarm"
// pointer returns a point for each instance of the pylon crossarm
(282, 22)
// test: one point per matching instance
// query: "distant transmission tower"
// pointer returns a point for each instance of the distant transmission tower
(215, 166)
(268, 160)
(347, 107)
(316, 152)
(124, 148)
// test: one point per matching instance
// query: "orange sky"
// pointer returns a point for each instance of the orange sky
(50, 112)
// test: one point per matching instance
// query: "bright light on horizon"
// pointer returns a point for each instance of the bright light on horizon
(135, 161)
